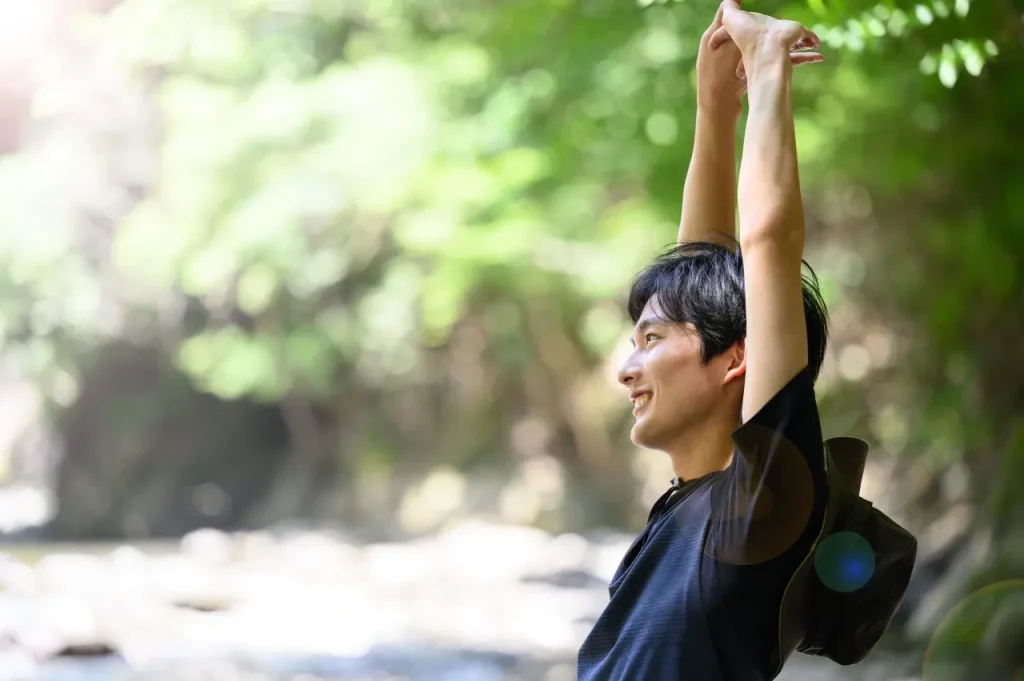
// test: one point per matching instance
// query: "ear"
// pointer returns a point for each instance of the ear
(737, 367)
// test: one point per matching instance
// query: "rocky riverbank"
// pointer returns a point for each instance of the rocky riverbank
(476, 603)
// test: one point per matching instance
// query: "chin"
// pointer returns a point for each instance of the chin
(641, 437)
(657, 436)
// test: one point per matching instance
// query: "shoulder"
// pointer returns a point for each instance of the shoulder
(764, 504)
(794, 406)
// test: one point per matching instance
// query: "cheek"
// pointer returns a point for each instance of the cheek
(676, 372)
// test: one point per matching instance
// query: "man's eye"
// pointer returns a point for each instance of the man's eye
(650, 337)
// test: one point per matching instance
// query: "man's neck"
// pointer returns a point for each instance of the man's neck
(703, 450)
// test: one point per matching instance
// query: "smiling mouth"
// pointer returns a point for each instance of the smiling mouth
(640, 401)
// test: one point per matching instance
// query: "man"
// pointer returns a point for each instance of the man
(721, 377)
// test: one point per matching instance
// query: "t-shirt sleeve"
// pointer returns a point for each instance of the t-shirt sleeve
(771, 499)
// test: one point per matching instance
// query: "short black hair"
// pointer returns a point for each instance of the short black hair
(701, 283)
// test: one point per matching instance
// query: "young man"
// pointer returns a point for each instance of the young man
(726, 352)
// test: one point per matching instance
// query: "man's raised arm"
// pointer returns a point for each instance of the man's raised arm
(770, 206)
(709, 195)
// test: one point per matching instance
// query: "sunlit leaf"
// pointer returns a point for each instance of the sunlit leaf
(256, 289)
(947, 67)
(972, 58)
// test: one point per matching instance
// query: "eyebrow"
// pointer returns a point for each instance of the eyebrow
(647, 323)
(644, 325)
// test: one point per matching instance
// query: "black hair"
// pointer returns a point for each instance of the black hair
(701, 283)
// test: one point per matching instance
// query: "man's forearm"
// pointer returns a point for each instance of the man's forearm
(770, 204)
(709, 194)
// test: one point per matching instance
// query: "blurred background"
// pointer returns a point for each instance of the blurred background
(310, 311)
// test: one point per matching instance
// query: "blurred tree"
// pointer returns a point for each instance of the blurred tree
(408, 224)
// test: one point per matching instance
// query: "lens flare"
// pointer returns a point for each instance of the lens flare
(844, 562)
(982, 637)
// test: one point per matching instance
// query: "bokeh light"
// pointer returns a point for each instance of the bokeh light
(844, 562)
(981, 638)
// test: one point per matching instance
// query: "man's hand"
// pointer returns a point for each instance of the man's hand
(709, 195)
(720, 86)
(761, 38)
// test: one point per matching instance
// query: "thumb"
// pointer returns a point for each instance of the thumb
(719, 38)
(731, 11)
(721, 10)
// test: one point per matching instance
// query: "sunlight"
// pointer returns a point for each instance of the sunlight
(24, 28)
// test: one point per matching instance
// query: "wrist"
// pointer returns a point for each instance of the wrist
(768, 77)
(769, 62)
(720, 117)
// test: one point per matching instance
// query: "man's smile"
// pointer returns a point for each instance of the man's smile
(640, 399)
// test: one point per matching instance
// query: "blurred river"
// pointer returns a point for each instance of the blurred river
(476, 603)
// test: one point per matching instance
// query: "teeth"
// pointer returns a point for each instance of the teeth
(642, 399)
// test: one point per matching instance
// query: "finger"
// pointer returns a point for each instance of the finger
(735, 4)
(798, 58)
(719, 38)
(705, 39)
(808, 41)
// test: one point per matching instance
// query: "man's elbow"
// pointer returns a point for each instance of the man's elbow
(775, 229)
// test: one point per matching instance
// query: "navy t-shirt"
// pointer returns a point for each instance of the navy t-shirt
(697, 595)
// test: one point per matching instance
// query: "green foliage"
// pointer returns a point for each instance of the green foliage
(344, 188)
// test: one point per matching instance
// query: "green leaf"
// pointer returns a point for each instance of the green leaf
(929, 64)
(818, 7)
(947, 67)
(973, 59)
(256, 289)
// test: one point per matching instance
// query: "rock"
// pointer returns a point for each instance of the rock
(63, 626)
(209, 546)
(129, 559)
(317, 556)
(23, 507)
(481, 602)
(566, 552)
(186, 582)
(258, 547)
(491, 552)
(394, 566)
(71, 573)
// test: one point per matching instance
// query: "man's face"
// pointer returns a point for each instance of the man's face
(669, 387)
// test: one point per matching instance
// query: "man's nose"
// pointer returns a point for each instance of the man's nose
(629, 371)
